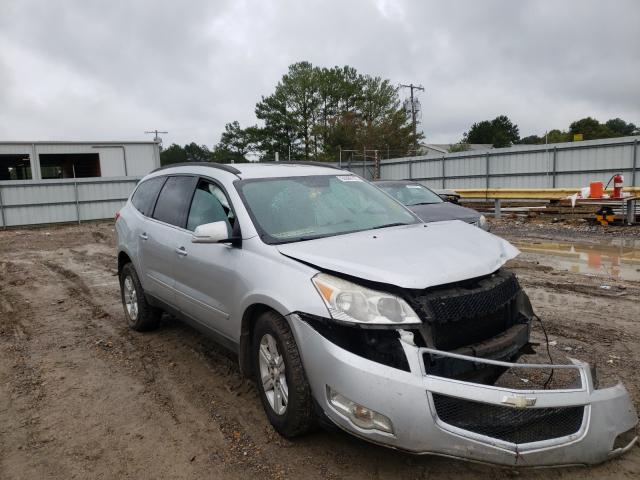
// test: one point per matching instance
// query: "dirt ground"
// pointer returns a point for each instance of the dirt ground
(81, 396)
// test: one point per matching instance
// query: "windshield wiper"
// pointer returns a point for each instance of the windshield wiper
(421, 203)
(397, 224)
(303, 238)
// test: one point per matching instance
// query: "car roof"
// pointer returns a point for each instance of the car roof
(255, 170)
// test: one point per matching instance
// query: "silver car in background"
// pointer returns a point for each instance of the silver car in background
(345, 308)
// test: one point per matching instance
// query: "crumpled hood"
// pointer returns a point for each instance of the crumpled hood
(436, 212)
(413, 256)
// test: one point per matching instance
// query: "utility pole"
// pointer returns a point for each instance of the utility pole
(413, 87)
(156, 138)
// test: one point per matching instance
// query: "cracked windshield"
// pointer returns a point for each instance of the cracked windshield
(302, 208)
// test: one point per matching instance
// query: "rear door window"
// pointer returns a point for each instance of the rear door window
(174, 200)
(145, 195)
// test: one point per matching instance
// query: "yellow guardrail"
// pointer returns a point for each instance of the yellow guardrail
(527, 193)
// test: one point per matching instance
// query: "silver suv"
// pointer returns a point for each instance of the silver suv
(345, 308)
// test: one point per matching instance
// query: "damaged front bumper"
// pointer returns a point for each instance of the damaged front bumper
(471, 421)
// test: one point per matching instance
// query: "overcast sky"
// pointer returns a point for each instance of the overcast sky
(109, 70)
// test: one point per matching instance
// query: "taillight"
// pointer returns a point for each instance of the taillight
(117, 216)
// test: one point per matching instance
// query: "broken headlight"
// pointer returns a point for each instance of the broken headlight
(349, 302)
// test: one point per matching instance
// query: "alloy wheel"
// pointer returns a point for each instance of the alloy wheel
(272, 374)
(130, 298)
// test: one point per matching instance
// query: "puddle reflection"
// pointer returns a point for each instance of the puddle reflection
(618, 259)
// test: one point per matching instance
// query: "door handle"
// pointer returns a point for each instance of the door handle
(181, 251)
(144, 236)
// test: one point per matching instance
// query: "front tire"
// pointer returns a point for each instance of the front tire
(139, 314)
(282, 383)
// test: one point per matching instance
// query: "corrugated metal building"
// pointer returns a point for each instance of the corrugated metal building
(48, 182)
(55, 160)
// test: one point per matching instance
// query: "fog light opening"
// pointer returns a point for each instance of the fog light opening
(360, 415)
(624, 439)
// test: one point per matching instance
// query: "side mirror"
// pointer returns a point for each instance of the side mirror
(215, 232)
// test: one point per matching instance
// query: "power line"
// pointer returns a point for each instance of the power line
(413, 87)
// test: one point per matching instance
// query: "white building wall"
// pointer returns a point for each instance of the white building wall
(14, 149)
(141, 157)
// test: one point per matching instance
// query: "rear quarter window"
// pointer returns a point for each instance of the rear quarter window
(145, 195)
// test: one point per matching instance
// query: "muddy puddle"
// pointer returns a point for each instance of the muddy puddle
(618, 259)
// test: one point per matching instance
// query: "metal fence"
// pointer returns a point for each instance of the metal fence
(560, 165)
(28, 202)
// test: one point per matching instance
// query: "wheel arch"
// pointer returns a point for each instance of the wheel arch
(251, 313)
(123, 259)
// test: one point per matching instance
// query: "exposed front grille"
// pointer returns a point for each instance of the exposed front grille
(471, 311)
(515, 425)
(475, 299)
(466, 331)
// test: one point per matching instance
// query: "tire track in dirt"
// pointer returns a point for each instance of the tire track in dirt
(22, 382)
(219, 414)
(242, 447)
(230, 389)
(88, 323)
(81, 293)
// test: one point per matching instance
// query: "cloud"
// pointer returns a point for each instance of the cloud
(110, 70)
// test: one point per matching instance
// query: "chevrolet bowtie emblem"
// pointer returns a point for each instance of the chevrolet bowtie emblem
(519, 401)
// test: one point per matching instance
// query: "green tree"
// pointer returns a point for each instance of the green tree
(621, 128)
(236, 143)
(222, 155)
(172, 154)
(313, 112)
(458, 147)
(558, 136)
(480, 132)
(197, 153)
(552, 136)
(191, 152)
(531, 140)
(590, 128)
(281, 131)
(499, 132)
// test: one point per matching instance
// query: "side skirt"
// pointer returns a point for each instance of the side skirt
(220, 339)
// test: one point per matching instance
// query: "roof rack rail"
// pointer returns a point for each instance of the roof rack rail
(219, 166)
(310, 163)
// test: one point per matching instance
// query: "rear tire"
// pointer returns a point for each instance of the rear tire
(279, 374)
(140, 315)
